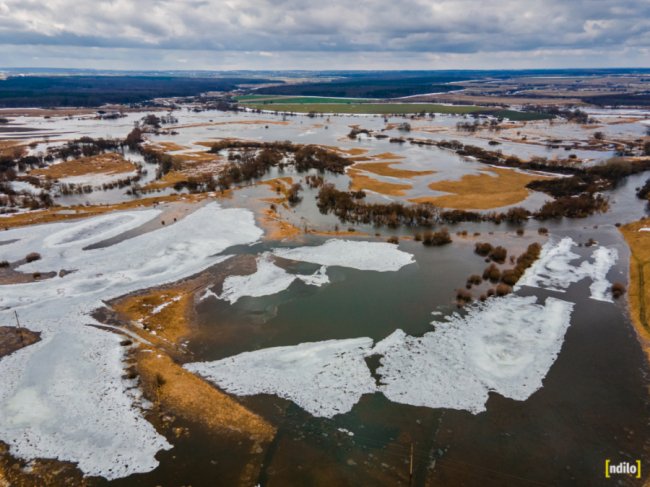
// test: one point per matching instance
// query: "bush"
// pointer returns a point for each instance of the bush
(498, 254)
(33, 256)
(293, 194)
(503, 289)
(463, 296)
(483, 248)
(436, 238)
(393, 240)
(4, 263)
(510, 277)
(618, 290)
(542, 231)
(492, 273)
(474, 279)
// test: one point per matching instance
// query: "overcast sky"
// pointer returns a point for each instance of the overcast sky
(324, 34)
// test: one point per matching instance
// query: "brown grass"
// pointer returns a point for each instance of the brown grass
(169, 324)
(167, 181)
(10, 148)
(482, 191)
(386, 169)
(638, 295)
(387, 156)
(15, 472)
(13, 338)
(56, 214)
(189, 396)
(168, 146)
(355, 151)
(165, 382)
(276, 227)
(109, 163)
(360, 181)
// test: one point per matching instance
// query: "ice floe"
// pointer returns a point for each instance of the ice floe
(266, 280)
(324, 378)
(64, 397)
(365, 256)
(554, 269)
(505, 345)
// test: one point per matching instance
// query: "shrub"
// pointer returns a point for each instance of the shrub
(33, 256)
(483, 248)
(498, 254)
(438, 238)
(394, 240)
(492, 273)
(520, 231)
(510, 277)
(293, 194)
(474, 279)
(618, 289)
(417, 237)
(463, 296)
(4, 263)
(542, 231)
(503, 289)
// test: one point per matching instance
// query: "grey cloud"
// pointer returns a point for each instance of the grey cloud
(438, 27)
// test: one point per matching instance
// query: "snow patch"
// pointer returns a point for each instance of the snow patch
(64, 397)
(505, 345)
(318, 278)
(554, 269)
(365, 256)
(266, 280)
(324, 378)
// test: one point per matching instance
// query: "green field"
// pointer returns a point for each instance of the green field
(371, 108)
(336, 105)
(276, 99)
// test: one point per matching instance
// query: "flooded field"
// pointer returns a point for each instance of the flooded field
(191, 332)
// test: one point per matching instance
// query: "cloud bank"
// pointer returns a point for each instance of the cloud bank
(236, 34)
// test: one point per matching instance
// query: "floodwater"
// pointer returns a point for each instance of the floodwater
(593, 405)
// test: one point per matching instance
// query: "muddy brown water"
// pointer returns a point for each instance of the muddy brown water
(593, 405)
